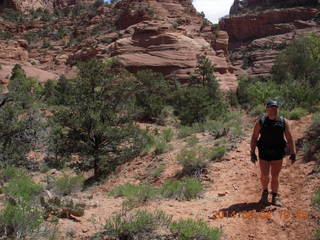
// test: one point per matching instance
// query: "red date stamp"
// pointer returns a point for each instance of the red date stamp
(298, 214)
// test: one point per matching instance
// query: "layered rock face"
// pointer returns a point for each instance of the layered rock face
(163, 35)
(243, 6)
(257, 37)
(27, 5)
(171, 42)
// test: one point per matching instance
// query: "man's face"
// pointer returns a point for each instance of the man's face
(273, 110)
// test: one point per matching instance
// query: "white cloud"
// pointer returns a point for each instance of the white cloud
(213, 9)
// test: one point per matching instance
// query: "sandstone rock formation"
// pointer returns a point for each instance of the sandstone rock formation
(27, 5)
(257, 37)
(170, 42)
(244, 6)
(164, 35)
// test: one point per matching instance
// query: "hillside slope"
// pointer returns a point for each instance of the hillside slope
(164, 35)
(233, 184)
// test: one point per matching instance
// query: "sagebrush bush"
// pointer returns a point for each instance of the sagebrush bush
(312, 140)
(21, 214)
(68, 184)
(192, 141)
(8, 172)
(135, 193)
(19, 220)
(184, 189)
(297, 113)
(192, 160)
(316, 199)
(190, 229)
(161, 146)
(217, 152)
(185, 131)
(22, 188)
(257, 110)
(136, 225)
(167, 134)
(155, 173)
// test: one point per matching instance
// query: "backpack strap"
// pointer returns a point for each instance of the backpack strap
(281, 118)
(283, 122)
(262, 120)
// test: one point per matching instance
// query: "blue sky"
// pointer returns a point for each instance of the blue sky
(213, 9)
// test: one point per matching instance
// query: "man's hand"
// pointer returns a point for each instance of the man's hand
(253, 157)
(292, 158)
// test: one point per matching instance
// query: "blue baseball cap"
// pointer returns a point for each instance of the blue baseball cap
(272, 103)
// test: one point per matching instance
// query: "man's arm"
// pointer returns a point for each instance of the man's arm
(255, 135)
(289, 138)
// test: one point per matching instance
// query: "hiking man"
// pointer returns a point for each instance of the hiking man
(272, 148)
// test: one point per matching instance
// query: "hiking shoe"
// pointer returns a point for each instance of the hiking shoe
(264, 196)
(276, 199)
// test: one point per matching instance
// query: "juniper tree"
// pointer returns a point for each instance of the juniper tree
(96, 121)
(19, 119)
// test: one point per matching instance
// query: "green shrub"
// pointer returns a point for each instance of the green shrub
(46, 44)
(161, 146)
(8, 172)
(202, 99)
(255, 91)
(21, 214)
(68, 184)
(135, 193)
(167, 134)
(186, 189)
(257, 110)
(316, 199)
(22, 188)
(19, 220)
(155, 173)
(194, 229)
(167, 117)
(151, 94)
(312, 140)
(5, 35)
(185, 131)
(191, 141)
(12, 15)
(297, 113)
(134, 226)
(101, 133)
(317, 235)
(193, 160)
(217, 152)
(195, 104)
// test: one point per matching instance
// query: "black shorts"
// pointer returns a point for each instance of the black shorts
(271, 153)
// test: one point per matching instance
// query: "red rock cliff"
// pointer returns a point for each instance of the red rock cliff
(256, 37)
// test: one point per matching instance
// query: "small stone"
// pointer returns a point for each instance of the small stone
(221, 194)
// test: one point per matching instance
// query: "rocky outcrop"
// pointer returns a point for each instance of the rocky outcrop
(27, 5)
(257, 37)
(247, 6)
(279, 21)
(164, 35)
